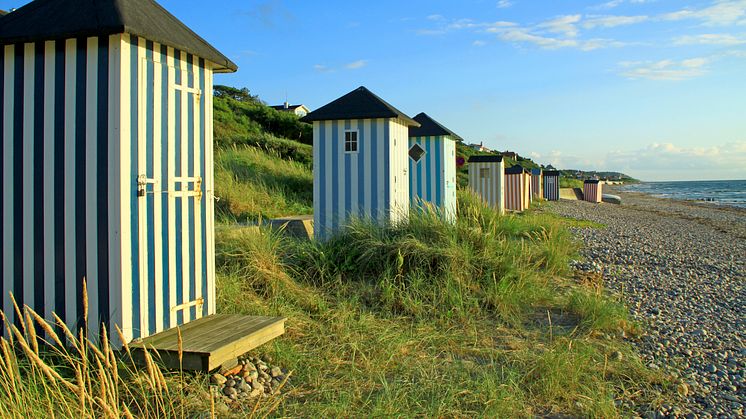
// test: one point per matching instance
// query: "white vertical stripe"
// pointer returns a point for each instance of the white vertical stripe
(8, 110)
(433, 176)
(316, 177)
(71, 290)
(125, 181)
(186, 272)
(381, 192)
(48, 182)
(91, 168)
(210, 197)
(142, 207)
(327, 176)
(354, 158)
(28, 176)
(116, 276)
(367, 170)
(157, 187)
(198, 279)
(171, 186)
(341, 175)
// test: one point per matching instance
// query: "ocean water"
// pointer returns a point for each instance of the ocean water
(719, 192)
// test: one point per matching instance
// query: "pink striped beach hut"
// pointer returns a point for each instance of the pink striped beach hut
(517, 184)
(592, 190)
(551, 185)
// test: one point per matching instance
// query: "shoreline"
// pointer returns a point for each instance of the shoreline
(616, 189)
(679, 267)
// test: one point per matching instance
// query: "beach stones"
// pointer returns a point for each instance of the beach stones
(256, 377)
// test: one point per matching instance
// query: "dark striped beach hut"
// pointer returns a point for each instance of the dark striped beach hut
(487, 179)
(592, 190)
(517, 184)
(432, 165)
(551, 186)
(536, 183)
(107, 164)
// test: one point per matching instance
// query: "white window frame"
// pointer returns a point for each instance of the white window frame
(356, 142)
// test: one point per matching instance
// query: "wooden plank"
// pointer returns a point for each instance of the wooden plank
(241, 346)
(240, 330)
(168, 334)
(206, 329)
(189, 332)
(237, 328)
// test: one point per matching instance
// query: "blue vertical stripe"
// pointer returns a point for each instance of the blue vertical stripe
(427, 162)
(102, 146)
(420, 162)
(361, 158)
(164, 182)
(190, 202)
(178, 186)
(81, 75)
(38, 152)
(348, 178)
(17, 184)
(203, 170)
(321, 174)
(440, 184)
(59, 181)
(2, 172)
(374, 168)
(134, 203)
(335, 176)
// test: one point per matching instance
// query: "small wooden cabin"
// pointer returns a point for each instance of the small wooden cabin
(107, 164)
(432, 165)
(592, 190)
(487, 179)
(517, 188)
(551, 186)
(360, 166)
(536, 183)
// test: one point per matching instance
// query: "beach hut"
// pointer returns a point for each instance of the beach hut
(592, 190)
(432, 165)
(360, 145)
(107, 164)
(536, 183)
(487, 179)
(550, 179)
(517, 192)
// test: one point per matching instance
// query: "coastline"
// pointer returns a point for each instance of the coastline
(679, 266)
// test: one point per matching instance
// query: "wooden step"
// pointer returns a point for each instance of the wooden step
(211, 341)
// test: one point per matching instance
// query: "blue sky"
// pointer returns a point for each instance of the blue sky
(654, 88)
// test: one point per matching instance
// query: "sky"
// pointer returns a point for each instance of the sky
(652, 88)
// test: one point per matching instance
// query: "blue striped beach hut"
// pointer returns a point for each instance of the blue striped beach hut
(551, 185)
(487, 179)
(107, 164)
(359, 161)
(432, 165)
(536, 183)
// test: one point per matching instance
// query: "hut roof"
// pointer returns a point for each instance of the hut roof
(515, 170)
(430, 127)
(360, 103)
(591, 181)
(551, 173)
(485, 159)
(64, 19)
(536, 171)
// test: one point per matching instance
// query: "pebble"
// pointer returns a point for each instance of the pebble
(218, 379)
(251, 381)
(680, 268)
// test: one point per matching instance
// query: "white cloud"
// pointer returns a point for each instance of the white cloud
(565, 25)
(479, 43)
(612, 21)
(356, 64)
(322, 68)
(502, 4)
(710, 39)
(721, 13)
(614, 3)
(522, 35)
(436, 17)
(665, 69)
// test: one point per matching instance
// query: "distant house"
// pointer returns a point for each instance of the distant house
(479, 147)
(300, 110)
(510, 155)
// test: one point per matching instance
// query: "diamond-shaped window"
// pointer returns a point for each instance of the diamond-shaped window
(416, 152)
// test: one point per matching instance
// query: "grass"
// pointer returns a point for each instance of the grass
(566, 182)
(426, 318)
(252, 183)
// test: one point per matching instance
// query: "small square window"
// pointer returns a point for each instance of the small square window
(350, 141)
(484, 173)
(416, 152)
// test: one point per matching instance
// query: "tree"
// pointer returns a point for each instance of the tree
(241, 95)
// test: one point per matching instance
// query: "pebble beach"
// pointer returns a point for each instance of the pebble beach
(680, 267)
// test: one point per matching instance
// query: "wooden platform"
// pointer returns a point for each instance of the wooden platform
(212, 341)
(300, 226)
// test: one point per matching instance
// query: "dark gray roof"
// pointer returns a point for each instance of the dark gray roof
(551, 173)
(64, 19)
(515, 170)
(485, 159)
(591, 181)
(430, 127)
(360, 103)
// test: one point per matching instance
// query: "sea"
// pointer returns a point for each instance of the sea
(717, 192)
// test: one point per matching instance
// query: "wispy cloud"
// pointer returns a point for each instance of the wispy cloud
(479, 43)
(612, 21)
(614, 3)
(502, 4)
(356, 64)
(721, 13)
(565, 25)
(322, 68)
(523, 36)
(710, 39)
(672, 70)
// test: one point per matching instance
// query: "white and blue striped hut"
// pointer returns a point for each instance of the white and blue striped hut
(107, 164)
(360, 163)
(432, 165)
(487, 179)
(551, 184)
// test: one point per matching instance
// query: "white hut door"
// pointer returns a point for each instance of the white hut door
(169, 197)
